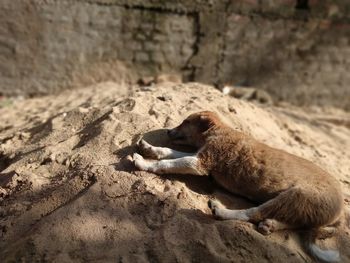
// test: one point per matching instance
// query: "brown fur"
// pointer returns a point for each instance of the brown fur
(294, 190)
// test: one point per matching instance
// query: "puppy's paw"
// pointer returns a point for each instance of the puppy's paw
(326, 232)
(139, 162)
(266, 227)
(215, 207)
(147, 149)
(143, 145)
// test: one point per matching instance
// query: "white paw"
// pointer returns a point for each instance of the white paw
(139, 162)
(266, 227)
(143, 144)
(215, 207)
(147, 149)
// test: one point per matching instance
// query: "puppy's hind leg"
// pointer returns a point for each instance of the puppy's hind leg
(266, 226)
(159, 153)
(220, 212)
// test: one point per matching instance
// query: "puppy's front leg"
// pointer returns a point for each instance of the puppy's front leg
(159, 153)
(184, 165)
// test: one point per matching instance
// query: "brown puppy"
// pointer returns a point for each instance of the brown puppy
(294, 192)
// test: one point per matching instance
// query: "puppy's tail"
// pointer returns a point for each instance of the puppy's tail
(324, 255)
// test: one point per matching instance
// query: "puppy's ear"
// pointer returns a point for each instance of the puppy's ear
(205, 123)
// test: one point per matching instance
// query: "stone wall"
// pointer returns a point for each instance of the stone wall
(290, 58)
(296, 49)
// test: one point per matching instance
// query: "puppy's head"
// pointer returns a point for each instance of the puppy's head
(194, 129)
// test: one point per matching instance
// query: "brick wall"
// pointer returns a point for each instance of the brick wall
(299, 54)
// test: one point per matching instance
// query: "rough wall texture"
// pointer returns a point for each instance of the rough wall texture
(297, 50)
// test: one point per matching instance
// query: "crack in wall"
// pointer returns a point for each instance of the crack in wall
(195, 49)
(159, 9)
(302, 5)
(221, 56)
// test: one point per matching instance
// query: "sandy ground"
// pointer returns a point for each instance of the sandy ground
(69, 192)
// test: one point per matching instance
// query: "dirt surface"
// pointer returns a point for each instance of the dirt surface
(69, 192)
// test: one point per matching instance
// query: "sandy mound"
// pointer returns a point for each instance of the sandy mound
(69, 192)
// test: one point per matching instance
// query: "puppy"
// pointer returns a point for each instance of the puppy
(293, 192)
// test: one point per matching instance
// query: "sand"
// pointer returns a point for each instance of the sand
(69, 192)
